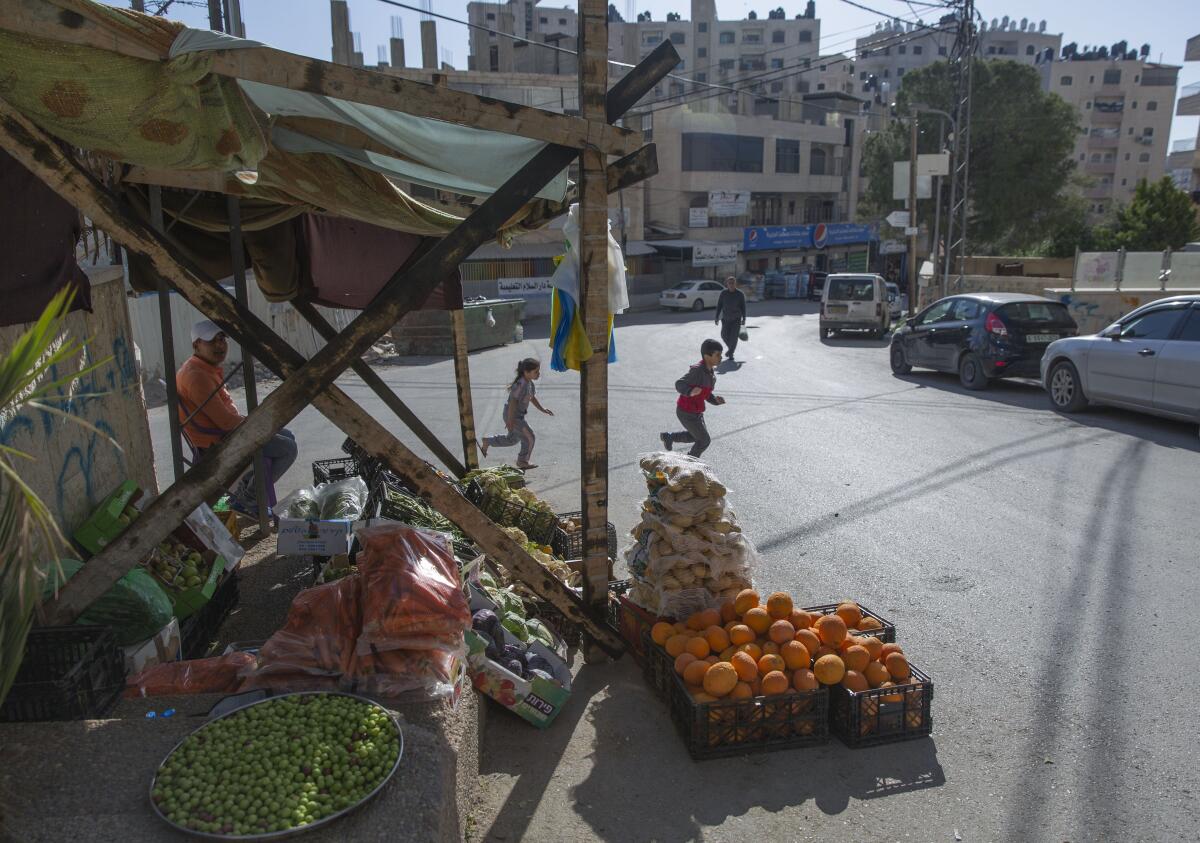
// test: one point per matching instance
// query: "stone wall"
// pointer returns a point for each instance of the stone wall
(73, 467)
(1094, 310)
(1044, 267)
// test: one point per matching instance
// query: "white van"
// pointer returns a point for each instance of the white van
(855, 302)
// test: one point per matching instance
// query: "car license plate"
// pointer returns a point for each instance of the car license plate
(837, 308)
(1040, 338)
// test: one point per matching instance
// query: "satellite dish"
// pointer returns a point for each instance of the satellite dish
(1024, 24)
(1004, 22)
(1041, 26)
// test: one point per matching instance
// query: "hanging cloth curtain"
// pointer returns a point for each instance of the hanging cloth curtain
(568, 339)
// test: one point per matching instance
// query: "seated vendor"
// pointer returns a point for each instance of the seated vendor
(209, 415)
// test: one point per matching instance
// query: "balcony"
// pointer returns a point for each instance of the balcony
(1100, 191)
(1105, 141)
(1189, 101)
(1100, 168)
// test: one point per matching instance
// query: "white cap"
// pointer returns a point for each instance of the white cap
(205, 330)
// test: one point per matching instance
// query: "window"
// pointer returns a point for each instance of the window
(1135, 104)
(776, 64)
(1152, 106)
(900, 71)
(851, 289)
(902, 50)
(543, 20)
(1029, 50)
(1191, 328)
(787, 155)
(1091, 80)
(711, 287)
(777, 36)
(1089, 105)
(491, 15)
(701, 77)
(562, 21)
(1112, 77)
(1100, 208)
(494, 57)
(938, 312)
(887, 72)
(1083, 156)
(887, 51)
(776, 87)
(652, 37)
(941, 51)
(1123, 182)
(725, 38)
(1144, 158)
(918, 49)
(677, 38)
(708, 152)
(816, 161)
(1066, 81)
(1126, 156)
(862, 77)
(726, 64)
(701, 52)
(648, 127)
(1148, 132)
(991, 51)
(805, 36)
(965, 309)
(702, 27)
(1155, 325)
(1095, 157)
(820, 86)
(751, 37)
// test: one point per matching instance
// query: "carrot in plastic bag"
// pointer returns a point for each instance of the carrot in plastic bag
(217, 675)
(320, 632)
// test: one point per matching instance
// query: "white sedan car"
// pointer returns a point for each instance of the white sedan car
(1148, 360)
(691, 295)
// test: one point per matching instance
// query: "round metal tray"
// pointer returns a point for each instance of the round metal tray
(291, 832)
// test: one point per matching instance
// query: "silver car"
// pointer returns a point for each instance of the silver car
(1148, 360)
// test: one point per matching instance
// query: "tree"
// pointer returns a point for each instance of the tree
(1022, 141)
(1160, 217)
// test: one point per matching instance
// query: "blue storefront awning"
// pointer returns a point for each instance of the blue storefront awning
(818, 236)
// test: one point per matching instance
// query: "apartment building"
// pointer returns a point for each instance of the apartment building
(1125, 122)
(1183, 162)
(896, 48)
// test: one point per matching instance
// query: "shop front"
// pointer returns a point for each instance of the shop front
(828, 247)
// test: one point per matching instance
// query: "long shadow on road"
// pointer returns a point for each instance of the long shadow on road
(1103, 763)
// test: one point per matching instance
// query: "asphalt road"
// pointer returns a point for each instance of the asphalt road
(1040, 567)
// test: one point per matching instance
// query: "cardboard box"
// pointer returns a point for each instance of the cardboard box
(163, 647)
(108, 520)
(302, 537)
(534, 700)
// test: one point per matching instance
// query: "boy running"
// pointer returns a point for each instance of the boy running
(695, 389)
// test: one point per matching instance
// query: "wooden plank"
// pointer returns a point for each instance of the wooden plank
(593, 256)
(299, 73)
(41, 155)
(462, 383)
(208, 180)
(372, 379)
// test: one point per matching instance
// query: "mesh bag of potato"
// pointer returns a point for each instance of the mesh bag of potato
(688, 551)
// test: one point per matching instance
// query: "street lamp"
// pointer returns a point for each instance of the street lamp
(937, 213)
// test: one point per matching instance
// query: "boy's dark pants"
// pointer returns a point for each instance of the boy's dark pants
(694, 430)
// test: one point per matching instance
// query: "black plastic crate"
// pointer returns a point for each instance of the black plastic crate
(368, 466)
(883, 715)
(570, 545)
(549, 614)
(332, 470)
(734, 727)
(199, 631)
(68, 673)
(886, 633)
(538, 526)
(381, 504)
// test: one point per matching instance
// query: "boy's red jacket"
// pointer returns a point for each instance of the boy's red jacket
(700, 376)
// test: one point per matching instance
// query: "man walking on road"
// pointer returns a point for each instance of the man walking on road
(731, 313)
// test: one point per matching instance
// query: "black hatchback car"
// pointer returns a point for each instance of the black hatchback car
(981, 336)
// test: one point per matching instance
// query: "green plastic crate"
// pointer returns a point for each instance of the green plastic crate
(104, 525)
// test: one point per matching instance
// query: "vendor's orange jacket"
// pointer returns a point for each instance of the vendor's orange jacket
(195, 382)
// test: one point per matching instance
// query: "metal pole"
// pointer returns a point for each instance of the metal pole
(937, 208)
(239, 289)
(215, 18)
(168, 343)
(950, 215)
(912, 217)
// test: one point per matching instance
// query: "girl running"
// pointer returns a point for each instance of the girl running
(521, 394)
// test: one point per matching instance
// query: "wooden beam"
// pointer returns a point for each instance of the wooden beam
(41, 155)
(45, 19)
(593, 277)
(372, 379)
(207, 180)
(462, 384)
(632, 169)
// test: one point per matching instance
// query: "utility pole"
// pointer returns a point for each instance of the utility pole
(912, 216)
(937, 209)
(216, 20)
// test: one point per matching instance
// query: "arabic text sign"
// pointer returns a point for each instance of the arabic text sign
(714, 254)
(521, 288)
(728, 203)
(817, 236)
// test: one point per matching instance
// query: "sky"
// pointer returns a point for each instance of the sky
(302, 26)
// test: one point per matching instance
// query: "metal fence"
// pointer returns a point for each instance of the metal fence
(1121, 270)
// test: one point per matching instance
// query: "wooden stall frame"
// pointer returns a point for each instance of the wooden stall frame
(39, 152)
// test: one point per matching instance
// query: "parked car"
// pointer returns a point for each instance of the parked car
(982, 336)
(895, 305)
(855, 302)
(1148, 360)
(691, 295)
